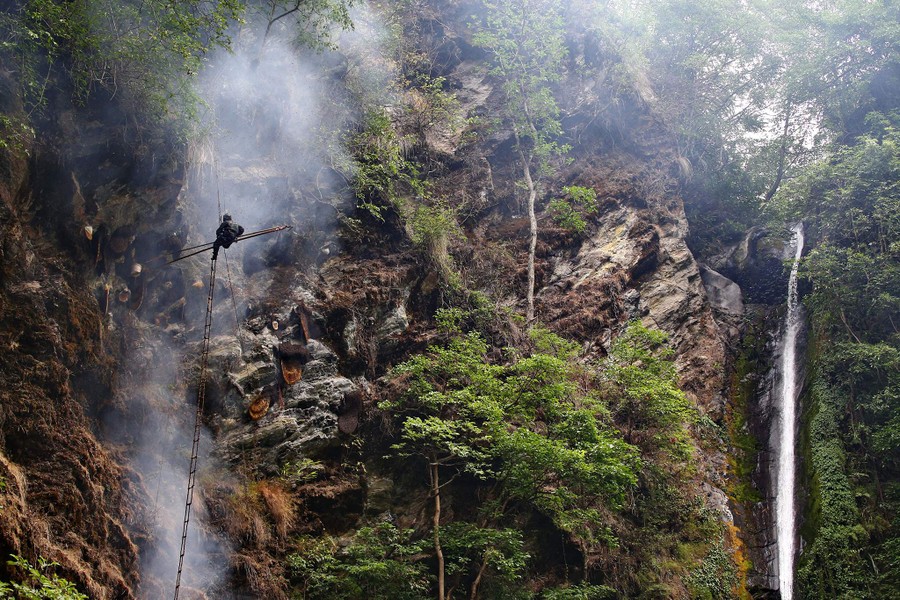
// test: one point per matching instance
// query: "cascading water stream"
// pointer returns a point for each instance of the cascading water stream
(787, 405)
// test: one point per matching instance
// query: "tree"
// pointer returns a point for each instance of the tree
(144, 48)
(449, 381)
(713, 71)
(312, 19)
(378, 563)
(497, 556)
(849, 201)
(640, 379)
(525, 427)
(526, 44)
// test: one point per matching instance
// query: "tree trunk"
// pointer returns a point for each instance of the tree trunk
(532, 244)
(438, 552)
(782, 157)
(473, 595)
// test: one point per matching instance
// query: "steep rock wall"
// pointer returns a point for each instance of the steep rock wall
(65, 495)
(356, 303)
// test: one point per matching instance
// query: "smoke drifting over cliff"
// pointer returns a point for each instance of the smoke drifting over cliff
(270, 155)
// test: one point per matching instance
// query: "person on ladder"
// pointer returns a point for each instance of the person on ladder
(227, 233)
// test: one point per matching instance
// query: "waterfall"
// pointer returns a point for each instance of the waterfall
(787, 407)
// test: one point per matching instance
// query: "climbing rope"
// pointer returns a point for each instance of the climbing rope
(218, 193)
(201, 397)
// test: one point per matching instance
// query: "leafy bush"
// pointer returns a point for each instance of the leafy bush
(571, 211)
(641, 381)
(383, 176)
(583, 591)
(715, 578)
(38, 584)
(148, 49)
(831, 564)
(378, 563)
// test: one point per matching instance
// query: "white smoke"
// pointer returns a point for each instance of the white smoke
(272, 154)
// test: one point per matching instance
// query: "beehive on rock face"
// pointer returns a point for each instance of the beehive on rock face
(259, 407)
(293, 357)
(292, 373)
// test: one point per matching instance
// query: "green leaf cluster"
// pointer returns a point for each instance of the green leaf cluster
(311, 23)
(571, 211)
(532, 431)
(584, 591)
(40, 583)
(498, 553)
(716, 576)
(832, 565)
(850, 201)
(378, 562)
(147, 50)
(525, 424)
(853, 196)
(640, 377)
(526, 41)
(528, 428)
(383, 177)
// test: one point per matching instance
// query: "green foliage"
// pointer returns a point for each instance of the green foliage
(853, 197)
(855, 200)
(708, 58)
(449, 320)
(383, 176)
(311, 22)
(301, 470)
(583, 591)
(432, 107)
(431, 228)
(641, 379)
(433, 225)
(15, 133)
(145, 51)
(533, 433)
(525, 40)
(716, 576)
(571, 211)
(864, 379)
(842, 49)
(378, 563)
(752, 90)
(548, 343)
(521, 424)
(148, 50)
(38, 584)
(832, 564)
(499, 554)
(850, 201)
(854, 292)
(566, 216)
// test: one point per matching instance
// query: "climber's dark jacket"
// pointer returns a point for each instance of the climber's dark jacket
(227, 233)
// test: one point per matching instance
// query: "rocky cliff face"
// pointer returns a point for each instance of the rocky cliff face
(66, 496)
(100, 357)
